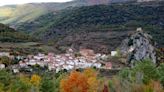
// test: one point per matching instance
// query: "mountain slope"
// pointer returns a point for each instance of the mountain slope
(8, 34)
(101, 26)
(20, 13)
(14, 14)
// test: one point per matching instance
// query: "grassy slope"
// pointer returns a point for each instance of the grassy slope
(20, 13)
(15, 14)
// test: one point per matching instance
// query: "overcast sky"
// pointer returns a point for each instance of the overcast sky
(9, 2)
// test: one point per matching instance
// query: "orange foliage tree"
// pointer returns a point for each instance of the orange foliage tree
(80, 82)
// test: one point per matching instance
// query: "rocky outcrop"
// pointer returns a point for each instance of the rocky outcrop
(138, 46)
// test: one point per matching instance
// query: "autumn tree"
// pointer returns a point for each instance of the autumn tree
(76, 82)
(105, 88)
(90, 73)
(91, 80)
(80, 82)
(35, 81)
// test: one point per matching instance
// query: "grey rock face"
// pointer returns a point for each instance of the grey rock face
(138, 47)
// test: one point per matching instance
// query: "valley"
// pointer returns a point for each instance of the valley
(82, 46)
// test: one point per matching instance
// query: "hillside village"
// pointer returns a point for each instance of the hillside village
(86, 58)
(82, 46)
(55, 62)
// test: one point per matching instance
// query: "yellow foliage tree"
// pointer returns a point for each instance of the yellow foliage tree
(90, 73)
(93, 84)
(91, 79)
(35, 80)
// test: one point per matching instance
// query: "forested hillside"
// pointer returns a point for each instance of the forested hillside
(8, 34)
(15, 14)
(100, 26)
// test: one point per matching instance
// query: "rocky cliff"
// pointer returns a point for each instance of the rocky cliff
(138, 46)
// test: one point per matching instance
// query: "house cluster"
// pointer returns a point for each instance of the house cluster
(85, 58)
(68, 61)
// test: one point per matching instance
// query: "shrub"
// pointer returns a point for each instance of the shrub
(143, 77)
(56, 82)
(125, 74)
(161, 73)
(5, 79)
(147, 70)
(47, 85)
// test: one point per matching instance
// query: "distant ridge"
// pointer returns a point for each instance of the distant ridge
(10, 14)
